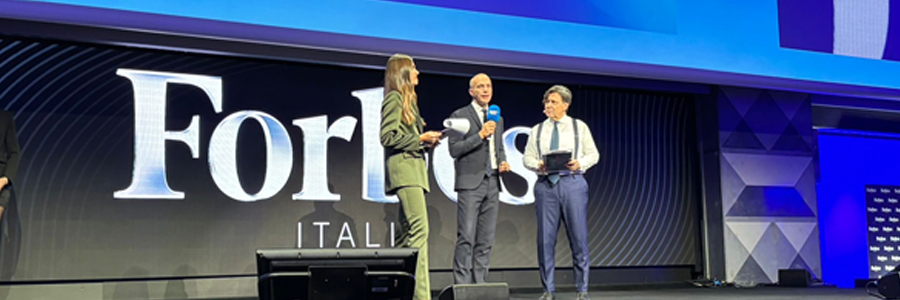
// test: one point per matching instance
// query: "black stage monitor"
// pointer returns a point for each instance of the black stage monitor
(313, 274)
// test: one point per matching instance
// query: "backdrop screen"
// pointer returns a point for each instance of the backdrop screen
(686, 40)
(143, 163)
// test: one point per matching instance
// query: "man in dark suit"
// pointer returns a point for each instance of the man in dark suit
(9, 158)
(10, 229)
(479, 160)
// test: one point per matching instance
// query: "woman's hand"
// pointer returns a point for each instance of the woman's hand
(430, 138)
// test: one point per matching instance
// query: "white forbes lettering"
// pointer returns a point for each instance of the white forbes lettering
(148, 179)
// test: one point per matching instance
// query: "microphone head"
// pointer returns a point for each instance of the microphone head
(493, 113)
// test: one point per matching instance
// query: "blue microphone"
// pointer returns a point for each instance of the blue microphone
(493, 113)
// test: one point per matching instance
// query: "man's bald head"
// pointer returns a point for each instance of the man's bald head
(481, 89)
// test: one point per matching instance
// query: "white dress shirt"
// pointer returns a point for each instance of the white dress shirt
(588, 155)
(479, 111)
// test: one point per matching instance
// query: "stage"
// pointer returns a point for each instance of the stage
(731, 293)
(695, 293)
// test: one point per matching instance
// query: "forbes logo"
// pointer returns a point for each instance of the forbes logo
(892, 200)
(875, 269)
(895, 258)
(872, 209)
(888, 249)
(870, 190)
(895, 239)
(894, 219)
(879, 200)
(873, 229)
(879, 219)
(887, 229)
(881, 239)
(885, 190)
(882, 258)
(874, 249)
(148, 180)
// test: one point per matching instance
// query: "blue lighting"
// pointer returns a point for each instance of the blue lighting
(848, 161)
(735, 37)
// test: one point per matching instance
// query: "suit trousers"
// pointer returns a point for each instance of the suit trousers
(562, 203)
(476, 221)
(414, 234)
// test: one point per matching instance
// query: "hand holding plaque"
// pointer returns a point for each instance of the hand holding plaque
(556, 161)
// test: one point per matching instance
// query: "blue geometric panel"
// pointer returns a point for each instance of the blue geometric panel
(729, 117)
(790, 102)
(791, 140)
(740, 98)
(766, 141)
(771, 201)
(802, 120)
(743, 138)
(765, 116)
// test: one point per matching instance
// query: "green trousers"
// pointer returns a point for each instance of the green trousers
(414, 234)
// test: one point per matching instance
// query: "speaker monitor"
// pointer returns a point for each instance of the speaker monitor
(336, 274)
(794, 278)
(481, 291)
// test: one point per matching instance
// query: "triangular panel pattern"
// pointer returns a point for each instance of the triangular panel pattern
(806, 186)
(736, 254)
(729, 118)
(766, 119)
(790, 140)
(751, 273)
(796, 232)
(771, 201)
(743, 138)
(773, 252)
(768, 170)
(789, 102)
(741, 98)
(811, 253)
(732, 185)
(748, 233)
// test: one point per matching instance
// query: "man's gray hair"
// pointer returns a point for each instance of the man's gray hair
(563, 92)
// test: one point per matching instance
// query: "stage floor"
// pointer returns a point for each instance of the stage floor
(729, 293)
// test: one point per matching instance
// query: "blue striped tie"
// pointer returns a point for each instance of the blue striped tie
(554, 144)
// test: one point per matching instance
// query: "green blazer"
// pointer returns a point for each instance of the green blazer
(405, 156)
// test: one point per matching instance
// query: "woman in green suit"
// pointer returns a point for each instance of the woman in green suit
(404, 141)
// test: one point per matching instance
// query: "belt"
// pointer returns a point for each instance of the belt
(542, 177)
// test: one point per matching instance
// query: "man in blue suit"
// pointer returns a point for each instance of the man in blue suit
(561, 193)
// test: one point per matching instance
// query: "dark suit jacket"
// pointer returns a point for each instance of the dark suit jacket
(10, 227)
(471, 152)
(9, 147)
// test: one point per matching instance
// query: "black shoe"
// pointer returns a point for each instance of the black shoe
(582, 296)
(547, 296)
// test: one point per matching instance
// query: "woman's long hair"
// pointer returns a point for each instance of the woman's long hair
(396, 78)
